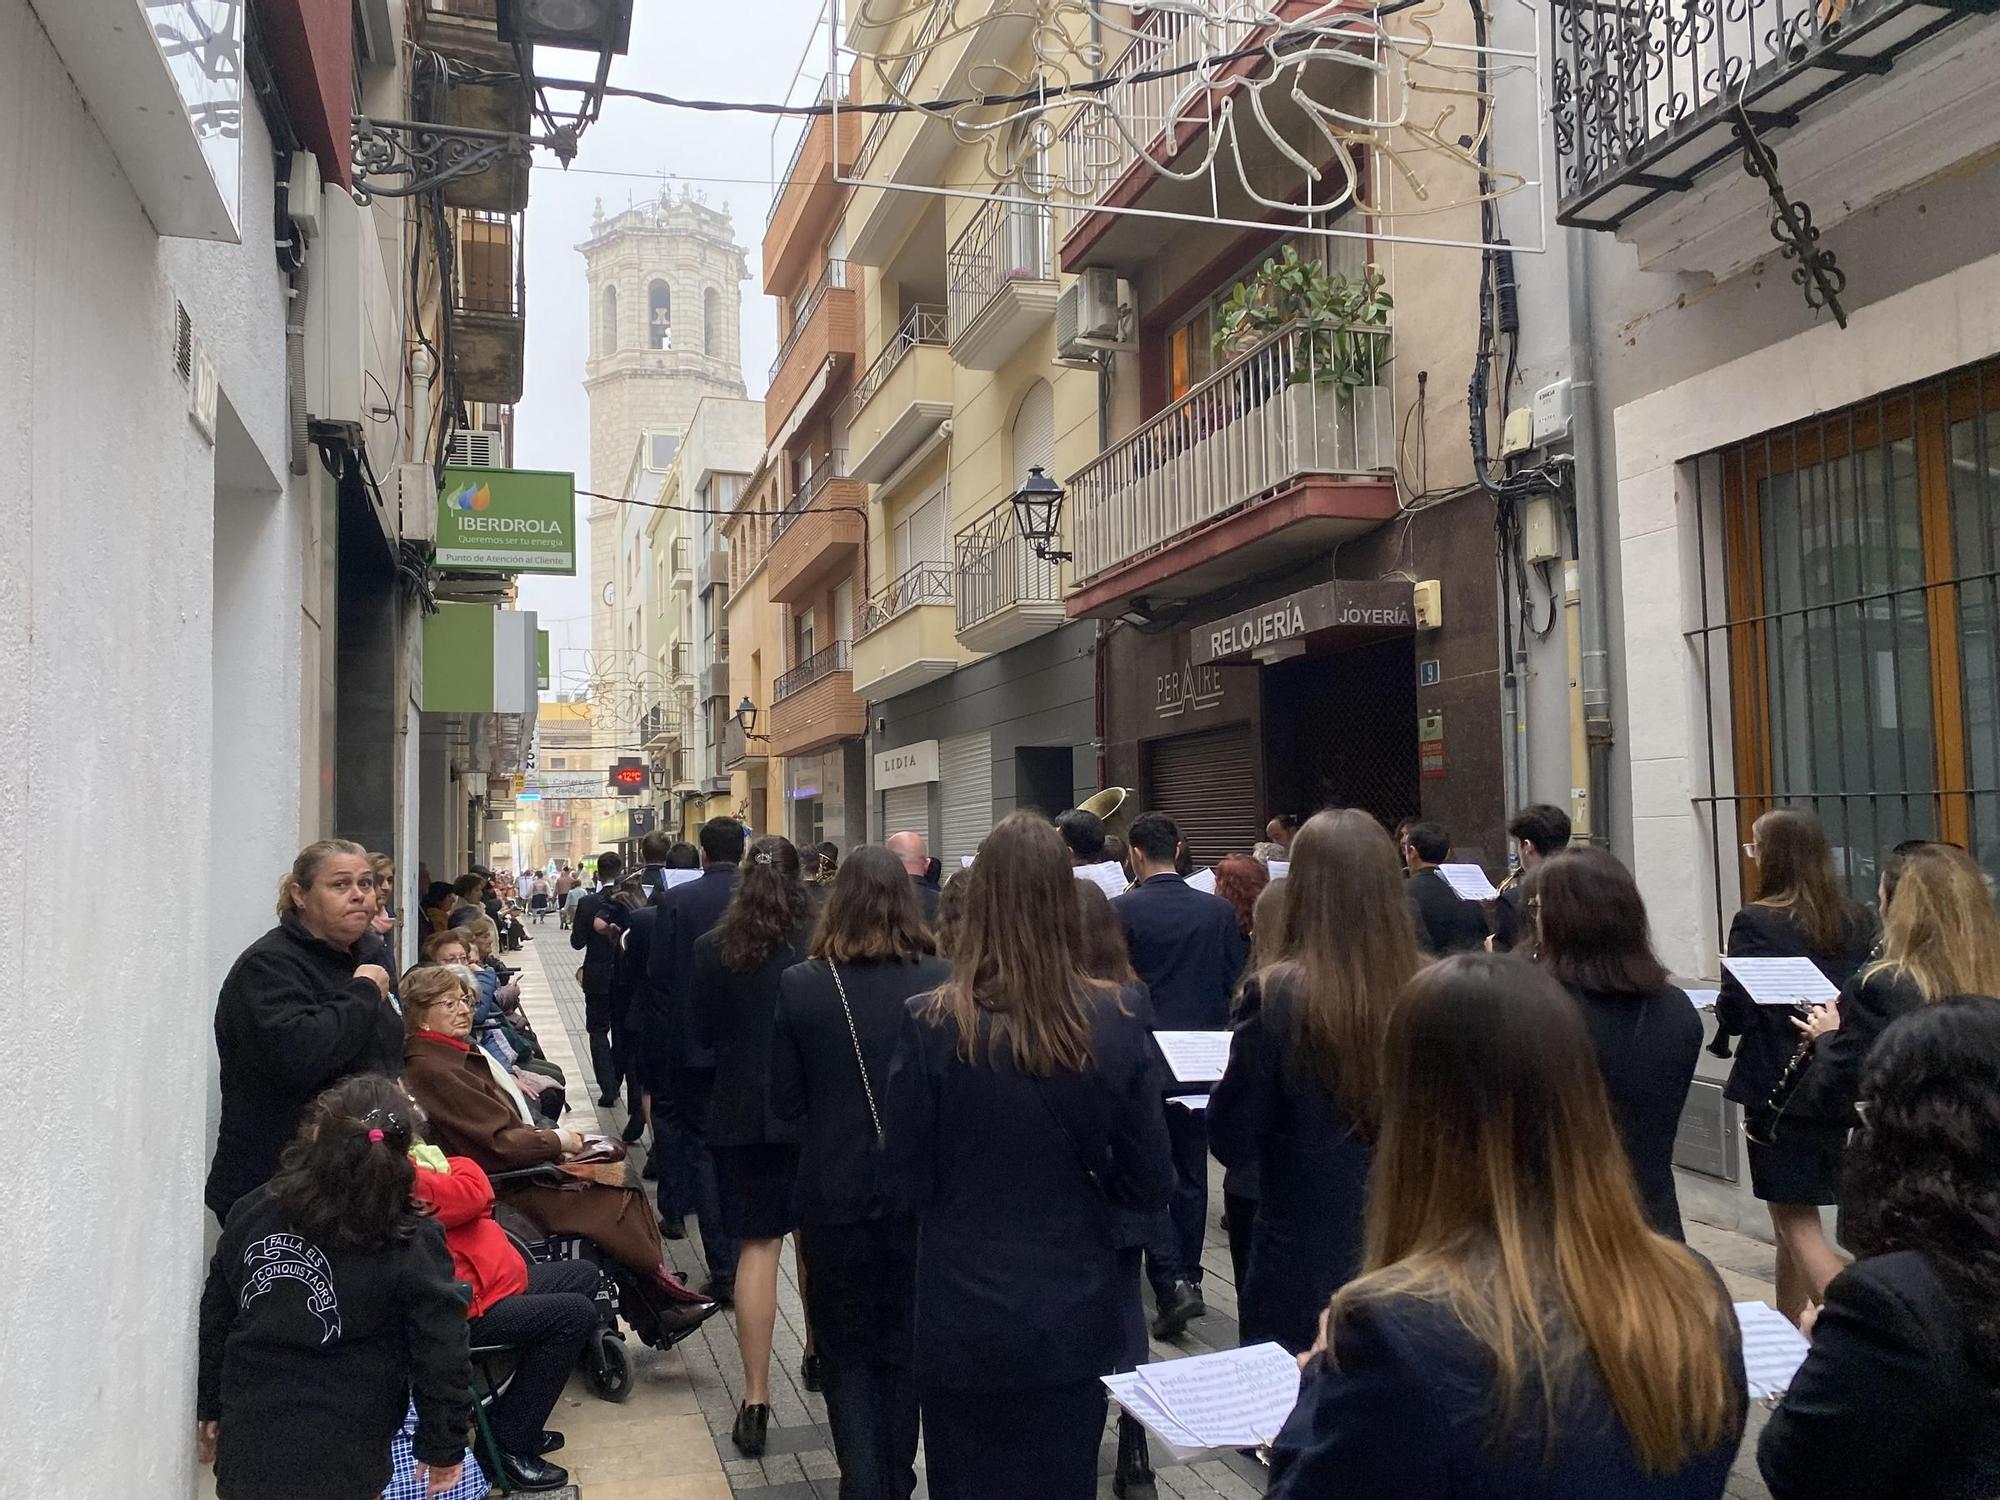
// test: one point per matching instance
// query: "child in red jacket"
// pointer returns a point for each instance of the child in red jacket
(544, 1309)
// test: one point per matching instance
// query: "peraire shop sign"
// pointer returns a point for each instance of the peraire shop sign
(507, 521)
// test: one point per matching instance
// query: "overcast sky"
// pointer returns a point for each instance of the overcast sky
(750, 50)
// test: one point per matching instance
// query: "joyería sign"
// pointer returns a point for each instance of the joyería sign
(1363, 608)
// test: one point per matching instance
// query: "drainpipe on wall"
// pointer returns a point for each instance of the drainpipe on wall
(1593, 499)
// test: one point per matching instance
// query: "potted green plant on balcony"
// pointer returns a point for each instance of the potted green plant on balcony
(1321, 338)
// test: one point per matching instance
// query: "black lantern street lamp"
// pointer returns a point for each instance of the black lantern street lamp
(1038, 514)
(746, 720)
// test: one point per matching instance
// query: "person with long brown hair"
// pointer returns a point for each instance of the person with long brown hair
(1940, 940)
(838, 1016)
(1021, 1106)
(1794, 1159)
(1240, 880)
(1583, 915)
(1241, 1186)
(733, 991)
(1301, 1097)
(1518, 1329)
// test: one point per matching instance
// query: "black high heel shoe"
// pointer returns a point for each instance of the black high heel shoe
(752, 1423)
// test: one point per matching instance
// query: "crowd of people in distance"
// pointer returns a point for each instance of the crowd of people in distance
(1446, 1129)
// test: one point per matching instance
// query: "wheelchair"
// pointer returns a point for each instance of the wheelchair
(624, 1297)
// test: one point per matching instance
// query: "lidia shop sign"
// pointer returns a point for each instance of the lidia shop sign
(1351, 609)
(507, 521)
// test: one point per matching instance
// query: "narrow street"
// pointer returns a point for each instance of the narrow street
(670, 1441)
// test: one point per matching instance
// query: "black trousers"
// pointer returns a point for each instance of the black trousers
(872, 1409)
(551, 1321)
(600, 1020)
(1174, 1253)
(1242, 1215)
(682, 1129)
(1038, 1444)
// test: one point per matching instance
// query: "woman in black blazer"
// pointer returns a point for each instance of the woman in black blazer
(1520, 1333)
(1794, 1160)
(1300, 1097)
(1940, 937)
(1023, 1112)
(733, 998)
(1900, 1397)
(1586, 922)
(838, 1017)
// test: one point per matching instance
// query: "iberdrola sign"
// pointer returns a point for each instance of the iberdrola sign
(507, 521)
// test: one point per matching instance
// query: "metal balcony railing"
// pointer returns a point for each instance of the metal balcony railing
(1645, 97)
(821, 664)
(813, 122)
(834, 467)
(920, 583)
(833, 277)
(1007, 241)
(683, 554)
(1150, 95)
(1272, 414)
(923, 324)
(906, 76)
(489, 268)
(997, 570)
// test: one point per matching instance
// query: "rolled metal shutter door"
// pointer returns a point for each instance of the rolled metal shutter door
(965, 780)
(906, 809)
(1207, 783)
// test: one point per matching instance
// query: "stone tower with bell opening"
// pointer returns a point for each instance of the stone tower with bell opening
(666, 313)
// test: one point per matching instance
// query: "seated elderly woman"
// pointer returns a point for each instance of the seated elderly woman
(474, 1111)
(505, 1037)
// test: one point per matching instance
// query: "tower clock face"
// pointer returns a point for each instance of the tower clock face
(608, 595)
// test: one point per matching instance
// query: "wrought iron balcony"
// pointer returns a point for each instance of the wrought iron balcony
(1001, 275)
(1004, 589)
(822, 664)
(1272, 415)
(809, 489)
(489, 295)
(923, 324)
(835, 275)
(920, 583)
(1648, 95)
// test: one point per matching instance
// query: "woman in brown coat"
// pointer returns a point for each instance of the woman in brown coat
(474, 1113)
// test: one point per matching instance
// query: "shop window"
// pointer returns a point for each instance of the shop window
(1861, 624)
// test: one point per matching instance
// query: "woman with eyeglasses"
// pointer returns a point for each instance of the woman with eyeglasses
(1794, 1159)
(1900, 1397)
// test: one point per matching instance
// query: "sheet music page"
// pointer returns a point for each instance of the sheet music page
(1238, 1398)
(1189, 1101)
(1469, 881)
(1773, 1349)
(1704, 999)
(1782, 981)
(1108, 877)
(1194, 1056)
(672, 878)
(1130, 1392)
(1278, 868)
(1202, 880)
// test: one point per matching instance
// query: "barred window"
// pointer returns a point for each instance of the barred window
(1861, 608)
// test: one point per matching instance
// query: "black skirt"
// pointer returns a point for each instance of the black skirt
(755, 1185)
(1793, 1160)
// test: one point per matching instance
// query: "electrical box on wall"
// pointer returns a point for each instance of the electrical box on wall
(1552, 408)
(1518, 436)
(1539, 540)
(1427, 601)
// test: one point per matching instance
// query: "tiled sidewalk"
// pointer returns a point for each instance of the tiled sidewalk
(798, 1463)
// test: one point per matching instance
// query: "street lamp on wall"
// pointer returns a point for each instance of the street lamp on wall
(1038, 514)
(746, 720)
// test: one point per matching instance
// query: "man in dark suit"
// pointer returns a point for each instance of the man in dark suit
(1446, 921)
(915, 855)
(598, 927)
(1187, 947)
(1538, 831)
(682, 1069)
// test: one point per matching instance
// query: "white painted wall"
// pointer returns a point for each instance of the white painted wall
(153, 724)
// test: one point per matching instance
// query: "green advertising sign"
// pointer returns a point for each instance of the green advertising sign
(507, 521)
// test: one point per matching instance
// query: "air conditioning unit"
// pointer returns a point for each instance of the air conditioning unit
(1088, 316)
(415, 499)
(477, 447)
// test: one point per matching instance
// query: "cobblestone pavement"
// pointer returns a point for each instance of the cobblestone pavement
(798, 1464)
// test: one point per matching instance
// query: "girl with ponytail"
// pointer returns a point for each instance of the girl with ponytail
(330, 1306)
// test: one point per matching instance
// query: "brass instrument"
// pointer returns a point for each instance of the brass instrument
(1114, 807)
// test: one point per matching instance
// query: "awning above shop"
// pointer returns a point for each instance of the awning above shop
(1326, 617)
